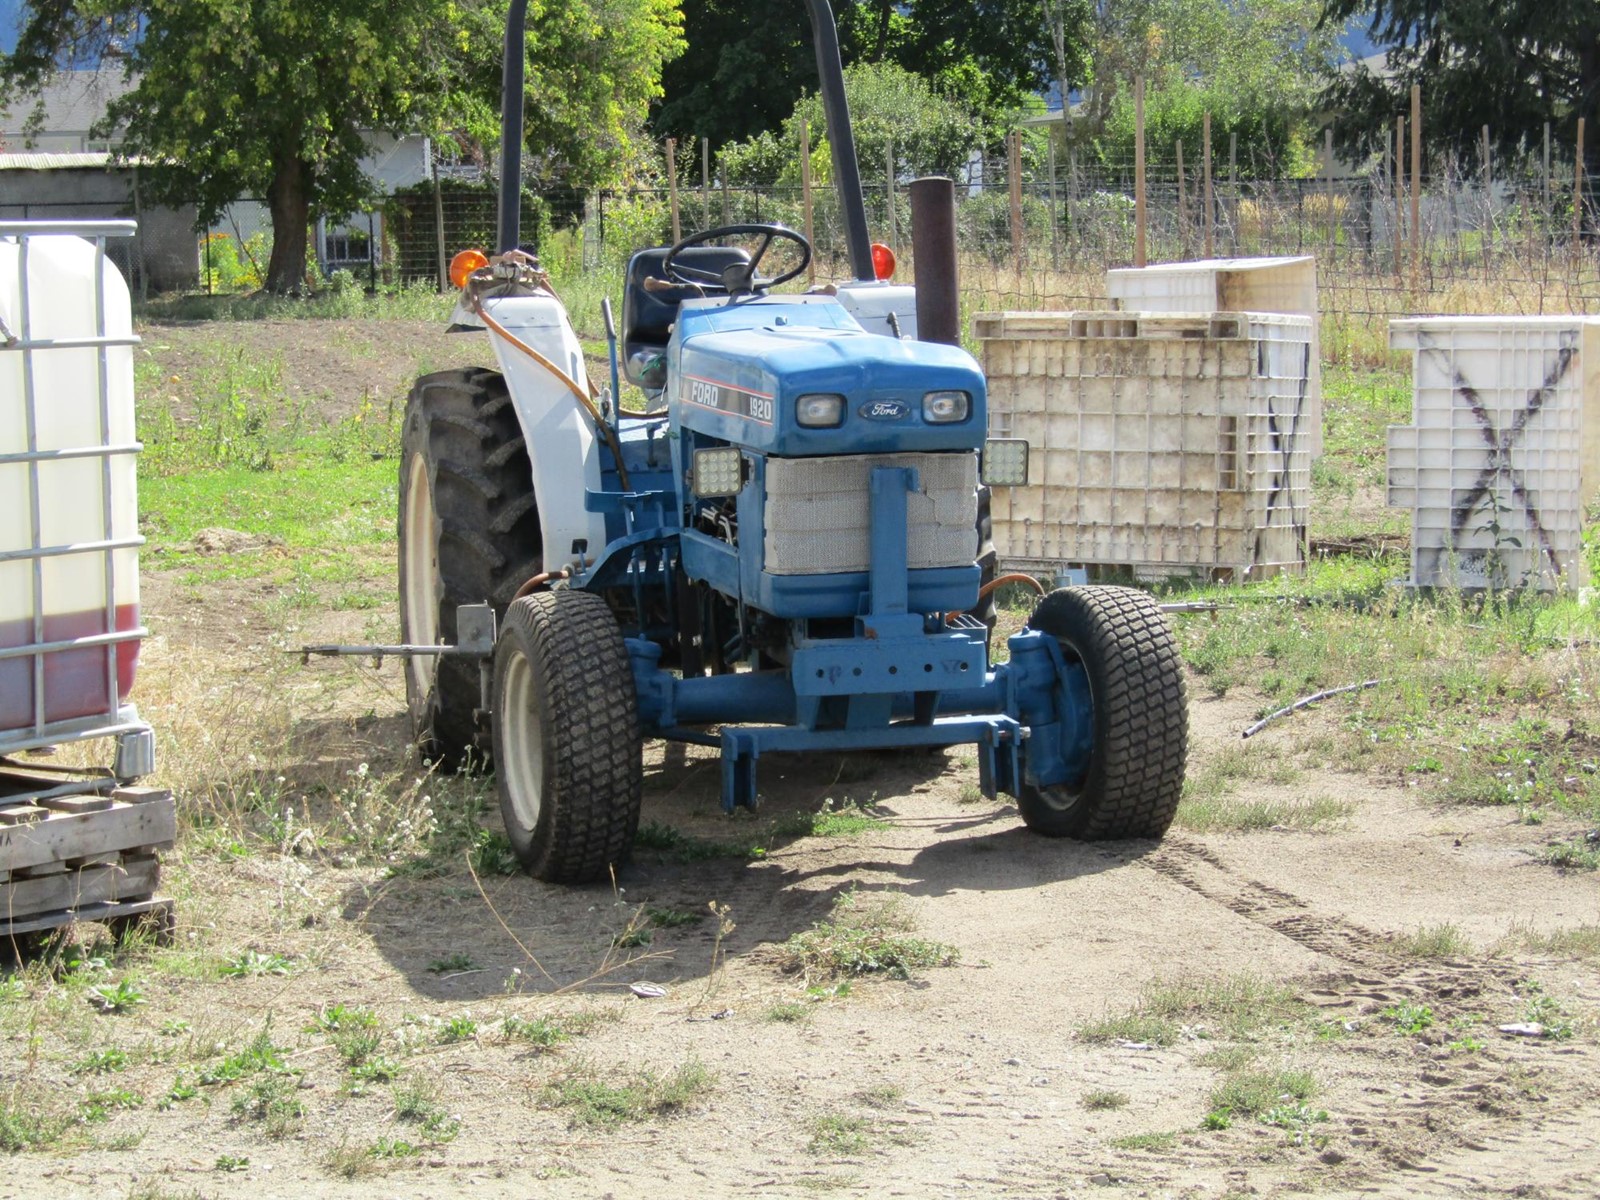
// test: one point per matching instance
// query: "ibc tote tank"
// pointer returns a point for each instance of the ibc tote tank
(69, 571)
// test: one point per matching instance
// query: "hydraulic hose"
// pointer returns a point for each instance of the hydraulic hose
(600, 425)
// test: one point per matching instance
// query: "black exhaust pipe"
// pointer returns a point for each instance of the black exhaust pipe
(830, 73)
(511, 100)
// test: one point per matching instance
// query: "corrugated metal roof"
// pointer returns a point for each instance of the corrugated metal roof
(32, 160)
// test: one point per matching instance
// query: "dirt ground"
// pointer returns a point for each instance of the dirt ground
(967, 1080)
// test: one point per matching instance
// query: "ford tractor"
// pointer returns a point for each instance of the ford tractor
(780, 549)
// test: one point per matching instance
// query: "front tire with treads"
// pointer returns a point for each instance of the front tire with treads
(567, 744)
(469, 534)
(1141, 717)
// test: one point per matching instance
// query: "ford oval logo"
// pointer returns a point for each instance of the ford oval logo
(884, 410)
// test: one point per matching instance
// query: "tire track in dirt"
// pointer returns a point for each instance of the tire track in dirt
(1457, 1126)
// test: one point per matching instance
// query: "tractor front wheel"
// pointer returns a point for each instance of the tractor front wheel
(567, 747)
(1141, 717)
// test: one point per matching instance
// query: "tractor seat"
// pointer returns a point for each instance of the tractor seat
(647, 317)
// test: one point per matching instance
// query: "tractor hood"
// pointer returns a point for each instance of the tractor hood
(743, 368)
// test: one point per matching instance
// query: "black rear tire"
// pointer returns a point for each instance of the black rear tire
(469, 534)
(567, 744)
(1141, 717)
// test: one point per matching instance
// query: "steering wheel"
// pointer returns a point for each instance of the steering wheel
(736, 278)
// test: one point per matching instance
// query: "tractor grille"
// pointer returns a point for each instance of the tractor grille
(818, 511)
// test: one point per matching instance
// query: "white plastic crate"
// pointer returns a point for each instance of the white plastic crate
(1504, 451)
(1264, 285)
(1162, 443)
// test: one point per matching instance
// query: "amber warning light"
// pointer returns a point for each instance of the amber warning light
(464, 264)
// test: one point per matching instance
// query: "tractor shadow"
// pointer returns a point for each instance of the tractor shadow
(703, 888)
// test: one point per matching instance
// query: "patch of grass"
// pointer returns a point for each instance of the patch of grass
(1104, 1101)
(542, 1033)
(1144, 1028)
(1576, 855)
(1238, 1007)
(672, 918)
(98, 1106)
(274, 1101)
(231, 1162)
(866, 933)
(458, 1029)
(102, 1062)
(341, 1017)
(1409, 1018)
(840, 1135)
(845, 820)
(1228, 1058)
(458, 961)
(416, 1102)
(682, 847)
(632, 938)
(1434, 941)
(1579, 941)
(639, 1097)
(123, 996)
(1228, 814)
(258, 1056)
(1246, 1094)
(789, 1012)
(250, 964)
(1144, 1141)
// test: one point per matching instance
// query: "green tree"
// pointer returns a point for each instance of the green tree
(1509, 64)
(932, 134)
(1255, 65)
(741, 77)
(274, 98)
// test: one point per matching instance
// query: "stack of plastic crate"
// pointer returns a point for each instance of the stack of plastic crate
(1159, 444)
(1268, 285)
(1504, 450)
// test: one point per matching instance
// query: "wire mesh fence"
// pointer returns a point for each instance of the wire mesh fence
(1035, 231)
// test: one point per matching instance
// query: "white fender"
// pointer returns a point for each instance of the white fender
(561, 441)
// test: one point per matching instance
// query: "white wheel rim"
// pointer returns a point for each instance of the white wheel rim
(521, 752)
(419, 616)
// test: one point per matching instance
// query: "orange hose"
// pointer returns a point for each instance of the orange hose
(985, 591)
(571, 384)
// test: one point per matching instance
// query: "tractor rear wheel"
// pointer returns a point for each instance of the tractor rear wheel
(567, 745)
(1141, 717)
(469, 534)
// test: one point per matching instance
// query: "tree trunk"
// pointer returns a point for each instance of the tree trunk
(290, 206)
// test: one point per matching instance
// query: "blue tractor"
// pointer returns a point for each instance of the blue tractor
(785, 545)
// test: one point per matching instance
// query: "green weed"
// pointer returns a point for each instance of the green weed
(839, 1135)
(1410, 1018)
(1434, 941)
(866, 933)
(595, 1101)
(1104, 1101)
(1144, 1141)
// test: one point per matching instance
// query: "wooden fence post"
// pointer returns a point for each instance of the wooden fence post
(805, 197)
(1327, 187)
(1205, 134)
(1399, 188)
(888, 189)
(1183, 224)
(1016, 197)
(1139, 259)
(1488, 198)
(1055, 238)
(672, 188)
(1577, 195)
(705, 182)
(1416, 187)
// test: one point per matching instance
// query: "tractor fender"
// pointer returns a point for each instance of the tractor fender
(562, 447)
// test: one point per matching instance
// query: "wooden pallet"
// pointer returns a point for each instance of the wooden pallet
(88, 857)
